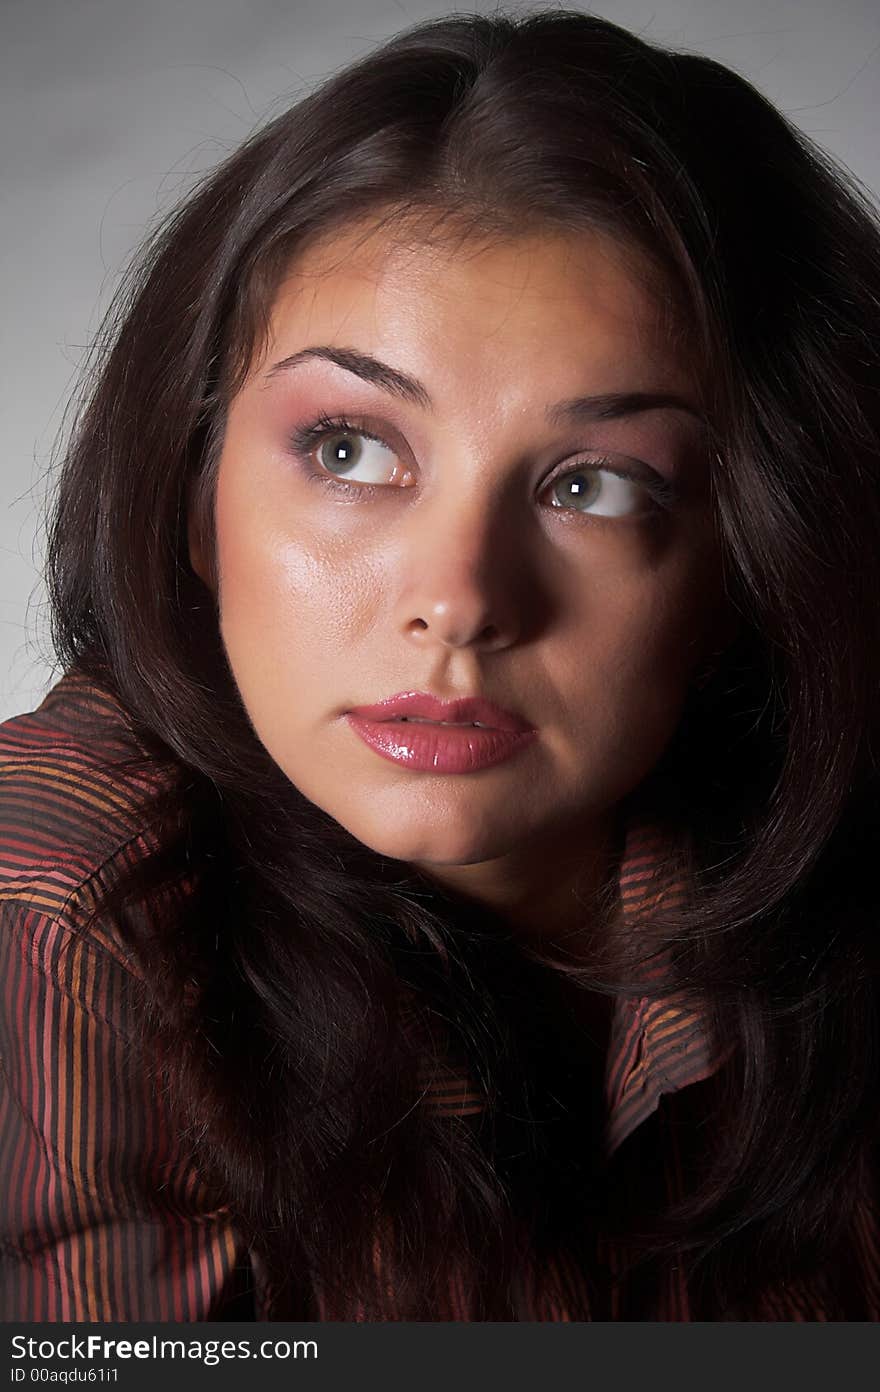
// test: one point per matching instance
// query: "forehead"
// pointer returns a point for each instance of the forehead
(473, 299)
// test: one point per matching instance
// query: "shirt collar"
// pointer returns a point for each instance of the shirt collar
(657, 1045)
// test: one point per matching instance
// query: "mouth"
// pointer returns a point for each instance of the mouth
(424, 708)
(423, 720)
(426, 745)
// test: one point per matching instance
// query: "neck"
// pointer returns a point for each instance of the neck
(547, 892)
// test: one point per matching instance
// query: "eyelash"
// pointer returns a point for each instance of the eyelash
(306, 438)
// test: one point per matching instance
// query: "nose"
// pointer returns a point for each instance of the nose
(464, 581)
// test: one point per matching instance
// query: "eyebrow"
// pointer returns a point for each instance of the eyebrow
(603, 406)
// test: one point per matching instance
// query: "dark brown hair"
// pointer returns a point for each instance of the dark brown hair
(290, 1063)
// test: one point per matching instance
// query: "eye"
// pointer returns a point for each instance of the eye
(602, 492)
(353, 455)
(347, 457)
(348, 453)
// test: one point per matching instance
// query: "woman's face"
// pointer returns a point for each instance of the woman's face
(477, 540)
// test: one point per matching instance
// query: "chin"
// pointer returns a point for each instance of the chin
(435, 845)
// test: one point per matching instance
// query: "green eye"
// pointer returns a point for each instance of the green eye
(347, 450)
(597, 491)
(351, 458)
(576, 490)
(343, 453)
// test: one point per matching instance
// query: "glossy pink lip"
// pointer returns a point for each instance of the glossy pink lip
(461, 712)
(451, 743)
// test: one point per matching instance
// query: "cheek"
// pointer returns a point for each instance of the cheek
(630, 656)
(658, 637)
(292, 599)
(647, 614)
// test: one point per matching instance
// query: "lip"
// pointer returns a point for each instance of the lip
(422, 705)
(436, 747)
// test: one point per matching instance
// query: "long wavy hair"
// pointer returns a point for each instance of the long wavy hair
(277, 982)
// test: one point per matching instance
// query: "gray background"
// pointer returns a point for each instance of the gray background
(109, 109)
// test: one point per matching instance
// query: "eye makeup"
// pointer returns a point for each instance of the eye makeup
(304, 440)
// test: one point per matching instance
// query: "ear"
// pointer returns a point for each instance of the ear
(198, 557)
(730, 625)
(721, 635)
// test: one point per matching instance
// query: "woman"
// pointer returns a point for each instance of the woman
(524, 377)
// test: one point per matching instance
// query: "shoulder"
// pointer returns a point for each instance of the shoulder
(74, 811)
(97, 1165)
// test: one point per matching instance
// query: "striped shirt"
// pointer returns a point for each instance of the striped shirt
(104, 1214)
